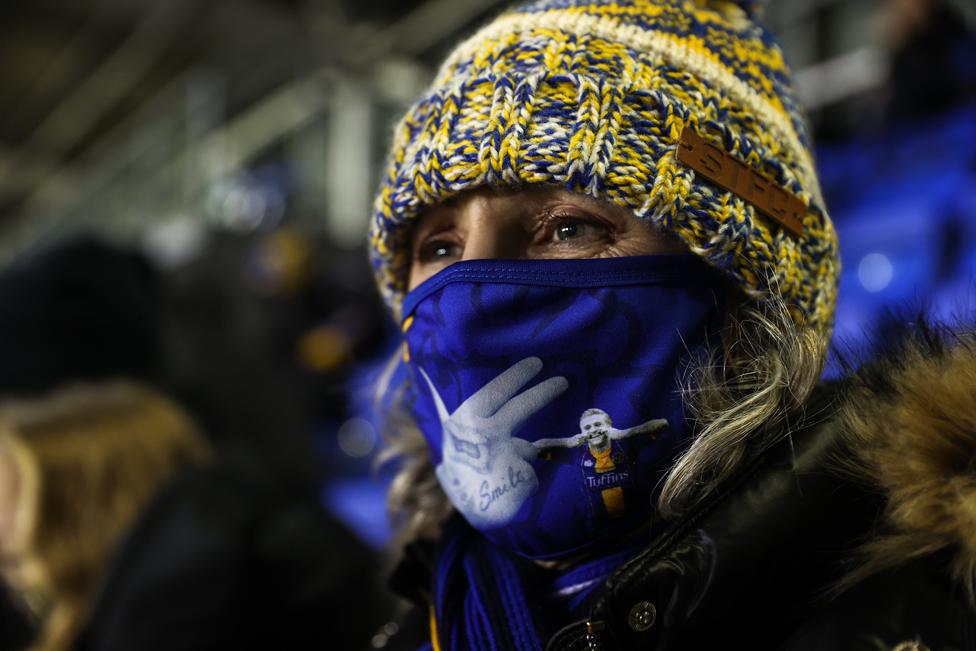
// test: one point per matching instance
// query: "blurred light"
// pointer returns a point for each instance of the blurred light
(361, 504)
(324, 348)
(281, 263)
(242, 209)
(357, 437)
(382, 637)
(175, 242)
(875, 272)
(243, 204)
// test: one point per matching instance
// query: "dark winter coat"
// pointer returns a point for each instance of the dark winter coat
(223, 561)
(857, 533)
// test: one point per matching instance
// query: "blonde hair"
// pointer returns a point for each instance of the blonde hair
(741, 398)
(89, 458)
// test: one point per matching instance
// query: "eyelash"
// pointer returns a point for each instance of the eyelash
(428, 251)
(552, 222)
(544, 234)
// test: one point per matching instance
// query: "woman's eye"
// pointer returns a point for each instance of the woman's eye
(577, 229)
(568, 230)
(436, 250)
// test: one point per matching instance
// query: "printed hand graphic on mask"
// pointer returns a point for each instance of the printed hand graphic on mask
(485, 470)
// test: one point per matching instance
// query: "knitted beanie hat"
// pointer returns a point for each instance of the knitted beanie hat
(680, 110)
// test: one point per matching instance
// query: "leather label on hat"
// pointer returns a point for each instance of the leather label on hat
(727, 171)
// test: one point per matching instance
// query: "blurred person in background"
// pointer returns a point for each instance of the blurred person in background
(79, 310)
(603, 237)
(225, 554)
(933, 58)
(898, 171)
(259, 335)
(78, 468)
(120, 533)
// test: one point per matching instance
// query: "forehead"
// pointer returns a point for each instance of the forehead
(593, 417)
(508, 203)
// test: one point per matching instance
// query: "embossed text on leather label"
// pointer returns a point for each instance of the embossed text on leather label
(732, 174)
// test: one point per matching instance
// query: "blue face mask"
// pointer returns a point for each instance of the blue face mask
(548, 390)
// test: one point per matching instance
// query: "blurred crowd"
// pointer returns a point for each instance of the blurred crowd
(900, 180)
(161, 447)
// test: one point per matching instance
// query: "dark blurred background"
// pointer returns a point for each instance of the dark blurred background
(233, 146)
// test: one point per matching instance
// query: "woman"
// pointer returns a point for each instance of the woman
(76, 470)
(121, 530)
(603, 235)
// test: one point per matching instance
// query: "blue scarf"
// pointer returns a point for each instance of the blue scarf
(487, 599)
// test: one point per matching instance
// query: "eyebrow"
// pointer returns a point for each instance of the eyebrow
(451, 201)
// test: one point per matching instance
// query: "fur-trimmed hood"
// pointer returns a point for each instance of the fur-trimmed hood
(911, 423)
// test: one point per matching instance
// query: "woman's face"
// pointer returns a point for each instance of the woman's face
(528, 224)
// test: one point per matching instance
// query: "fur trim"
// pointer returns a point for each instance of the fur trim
(911, 422)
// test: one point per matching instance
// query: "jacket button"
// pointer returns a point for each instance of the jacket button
(642, 616)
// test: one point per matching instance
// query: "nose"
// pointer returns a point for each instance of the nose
(489, 234)
(489, 242)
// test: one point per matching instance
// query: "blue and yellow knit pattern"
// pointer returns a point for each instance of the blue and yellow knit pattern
(593, 95)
